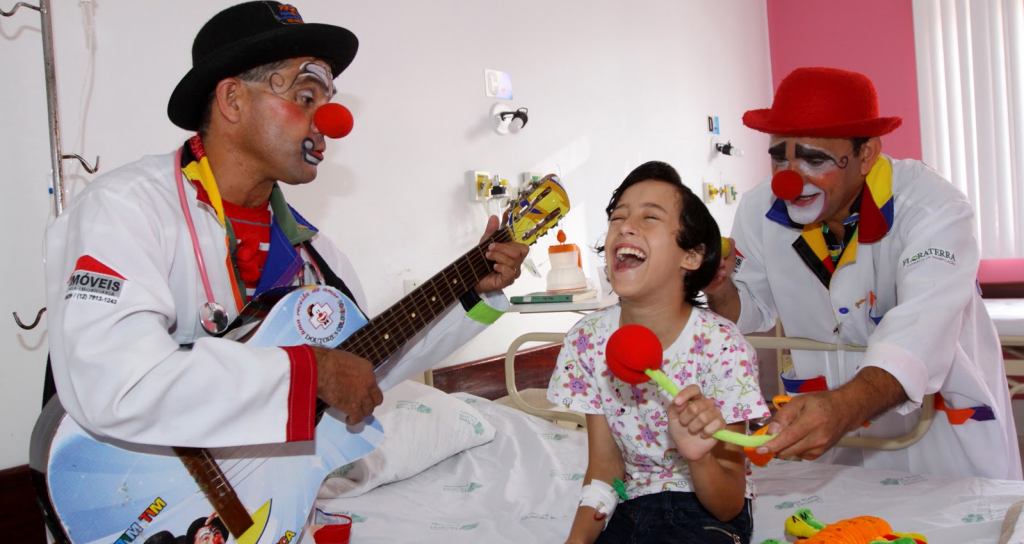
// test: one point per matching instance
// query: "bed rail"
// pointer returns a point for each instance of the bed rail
(761, 342)
(558, 414)
(869, 443)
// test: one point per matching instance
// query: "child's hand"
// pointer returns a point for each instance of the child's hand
(692, 419)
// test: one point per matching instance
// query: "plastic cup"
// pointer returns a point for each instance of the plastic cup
(336, 530)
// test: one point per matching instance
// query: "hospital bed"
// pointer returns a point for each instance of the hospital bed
(523, 485)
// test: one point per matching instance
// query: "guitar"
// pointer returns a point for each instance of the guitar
(99, 490)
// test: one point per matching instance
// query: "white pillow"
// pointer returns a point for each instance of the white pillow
(422, 427)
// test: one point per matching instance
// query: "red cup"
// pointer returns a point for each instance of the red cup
(338, 532)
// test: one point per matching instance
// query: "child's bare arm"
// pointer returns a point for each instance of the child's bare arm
(604, 463)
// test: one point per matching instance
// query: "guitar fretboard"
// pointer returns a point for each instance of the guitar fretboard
(395, 326)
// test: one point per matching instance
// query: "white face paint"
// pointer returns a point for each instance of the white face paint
(807, 207)
(319, 72)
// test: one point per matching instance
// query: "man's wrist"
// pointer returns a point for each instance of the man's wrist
(469, 299)
(478, 310)
(872, 392)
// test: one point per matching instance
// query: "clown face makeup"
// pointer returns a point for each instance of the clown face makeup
(807, 207)
(209, 535)
(280, 129)
(311, 155)
(830, 172)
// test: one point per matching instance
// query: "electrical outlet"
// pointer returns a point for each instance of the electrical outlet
(729, 192)
(710, 191)
(530, 177)
(479, 185)
(410, 285)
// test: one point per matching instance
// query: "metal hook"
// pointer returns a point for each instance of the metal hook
(34, 323)
(90, 169)
(15, 9)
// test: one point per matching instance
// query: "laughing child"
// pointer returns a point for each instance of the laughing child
(678, 484)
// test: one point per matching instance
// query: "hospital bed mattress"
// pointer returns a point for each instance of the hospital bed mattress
(523, 487)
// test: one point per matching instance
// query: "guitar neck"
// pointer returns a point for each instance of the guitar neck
(219, 492)
(395, 326)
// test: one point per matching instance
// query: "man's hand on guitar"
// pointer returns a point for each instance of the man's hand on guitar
(346, 382)
(508, 259)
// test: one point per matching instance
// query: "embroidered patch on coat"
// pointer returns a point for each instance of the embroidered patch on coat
(931, 253)
(93, 280)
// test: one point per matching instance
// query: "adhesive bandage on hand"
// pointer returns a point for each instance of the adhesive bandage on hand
(601, 497)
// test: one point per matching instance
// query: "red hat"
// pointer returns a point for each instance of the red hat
(823, 103)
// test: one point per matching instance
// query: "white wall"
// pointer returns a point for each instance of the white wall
(609, 85)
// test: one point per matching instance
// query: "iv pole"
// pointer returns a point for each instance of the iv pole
(56, 158)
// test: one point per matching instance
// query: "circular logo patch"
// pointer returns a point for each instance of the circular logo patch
(320, 316)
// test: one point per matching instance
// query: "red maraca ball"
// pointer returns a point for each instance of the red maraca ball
(787, 185)
(630, 351)
(333, 120)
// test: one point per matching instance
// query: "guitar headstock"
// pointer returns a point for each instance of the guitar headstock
(540, 206)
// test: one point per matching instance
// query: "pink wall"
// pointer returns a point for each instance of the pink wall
(873, 37)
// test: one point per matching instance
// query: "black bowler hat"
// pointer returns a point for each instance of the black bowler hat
(248, 35)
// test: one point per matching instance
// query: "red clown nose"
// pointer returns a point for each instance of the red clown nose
(630, 351)
(333, 120)
(786, 185)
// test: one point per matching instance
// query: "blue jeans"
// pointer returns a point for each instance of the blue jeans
(673, 516)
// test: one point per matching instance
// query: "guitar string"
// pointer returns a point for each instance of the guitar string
(397, 321)
(474, 257)
(395, 317)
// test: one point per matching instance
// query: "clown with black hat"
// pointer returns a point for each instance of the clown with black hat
(164, 252)
(848, 246)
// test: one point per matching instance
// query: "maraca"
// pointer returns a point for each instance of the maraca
(634, 355)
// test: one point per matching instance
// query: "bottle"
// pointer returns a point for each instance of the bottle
(566, 266)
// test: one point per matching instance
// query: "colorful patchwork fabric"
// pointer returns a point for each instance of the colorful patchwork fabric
(287, 229)
(710, 352)
(810, 385)
(959, 416)
(875, 218)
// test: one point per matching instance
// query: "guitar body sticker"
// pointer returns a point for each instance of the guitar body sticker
(319, 316)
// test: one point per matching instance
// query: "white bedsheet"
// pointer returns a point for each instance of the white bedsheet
(523, 488)
(1008, 315)
(946, 510)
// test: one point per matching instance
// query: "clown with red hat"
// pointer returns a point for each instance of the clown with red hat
(848, 246)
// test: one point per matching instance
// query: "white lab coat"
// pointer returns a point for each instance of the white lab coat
(121, 362)
(935, 334)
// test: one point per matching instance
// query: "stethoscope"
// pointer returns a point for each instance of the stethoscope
(332, 120)
(212, 314)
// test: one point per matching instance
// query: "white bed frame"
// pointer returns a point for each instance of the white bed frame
(1013, 367)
